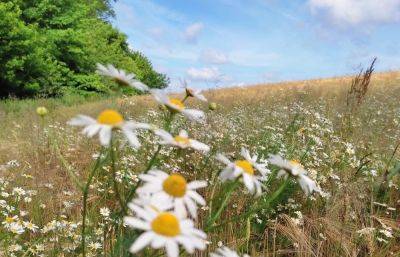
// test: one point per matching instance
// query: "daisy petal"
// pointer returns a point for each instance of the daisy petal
(142, 241)
(105, 135)
(136, 223)
(197, 184)
(172, 249)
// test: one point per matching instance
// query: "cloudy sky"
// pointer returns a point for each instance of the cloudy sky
(212, 43)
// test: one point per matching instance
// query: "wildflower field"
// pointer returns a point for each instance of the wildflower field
(290, 169)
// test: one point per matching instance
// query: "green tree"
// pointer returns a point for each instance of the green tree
(49, 47)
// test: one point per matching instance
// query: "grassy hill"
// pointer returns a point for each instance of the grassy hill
(348, 152)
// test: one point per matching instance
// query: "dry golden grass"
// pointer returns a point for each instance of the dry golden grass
(330, 230)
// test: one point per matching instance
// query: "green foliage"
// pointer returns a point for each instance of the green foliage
(145, 71)
(50, 47)
(394, 171)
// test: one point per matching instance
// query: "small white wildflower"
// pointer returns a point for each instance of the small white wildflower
(366, 231)
(15, 248)
(176, 105)
(94, 246)
(106, 123)
(182, 140)
(295, 169)
(245, 168)
(16, 228)
(121, 77)
(29, 225)
(105, 212)
(40, 247)
(386, 233)
(382, 240)
(18, 191)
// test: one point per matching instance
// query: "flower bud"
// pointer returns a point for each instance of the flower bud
(212, 106)
(189, 92)
(42, 111)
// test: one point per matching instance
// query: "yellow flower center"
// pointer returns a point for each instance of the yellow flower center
(246, 166)
(166, 224)
(295, 163)
(175, 185)
(110, 117)
(9, 219)
(182, 140)
(177, 103)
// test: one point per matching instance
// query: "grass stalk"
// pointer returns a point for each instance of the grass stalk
(85, 198)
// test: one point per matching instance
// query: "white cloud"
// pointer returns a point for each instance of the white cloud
(193, 31)
(207, 74)
(355, 12)
(213, 56)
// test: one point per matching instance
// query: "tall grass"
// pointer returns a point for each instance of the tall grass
(357, 215)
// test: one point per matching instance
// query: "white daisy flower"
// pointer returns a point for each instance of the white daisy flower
(182, 194)
(226, 252)
(164, 229)
(295, 169)
(105, 212)
(245, 168)
(16, 228)
(10, 220)
(176, 105)
(196, 93)
(121, 77)
(29, 225)
(182, 140)
(94, 246)
(106, 122)
(15, 248)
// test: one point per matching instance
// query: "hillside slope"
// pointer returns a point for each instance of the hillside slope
(349, 153)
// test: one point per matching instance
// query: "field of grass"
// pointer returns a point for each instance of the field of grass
(350, 152)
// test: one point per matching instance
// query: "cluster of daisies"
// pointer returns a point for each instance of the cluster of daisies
(166, 205)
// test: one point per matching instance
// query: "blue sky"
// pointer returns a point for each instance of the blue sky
(224, 42)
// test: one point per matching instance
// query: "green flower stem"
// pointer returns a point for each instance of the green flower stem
(253, 209)
(185, 98)
(270, 200)
(167, 127)
(85, 197)
(213, 181)
(224, 203)
(149, 165)
(114, 173)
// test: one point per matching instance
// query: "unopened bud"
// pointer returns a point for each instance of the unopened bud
(189, 92)
(212, 106)
(42, 111)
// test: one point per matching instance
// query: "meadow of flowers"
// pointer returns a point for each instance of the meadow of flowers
(278, 170)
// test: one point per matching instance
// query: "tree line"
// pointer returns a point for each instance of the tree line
(50, 47)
